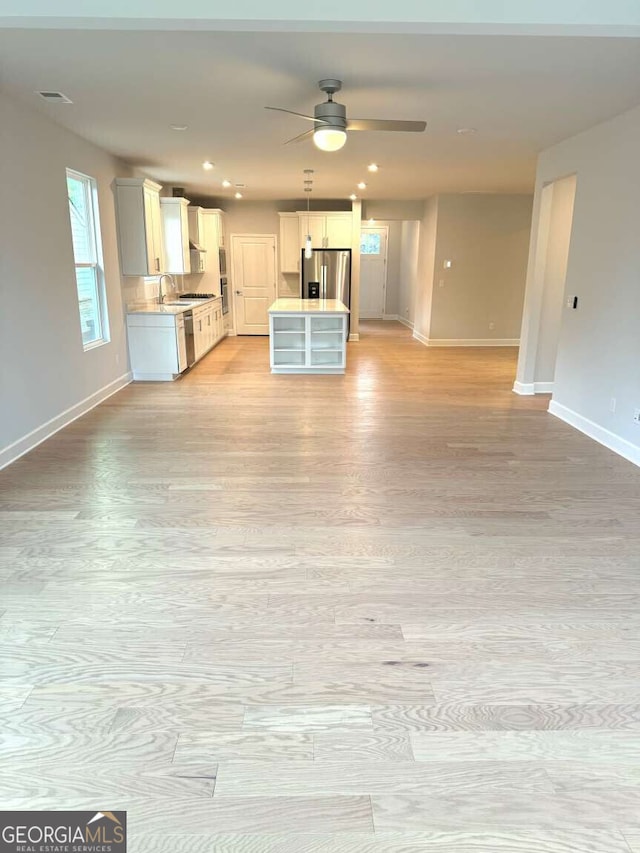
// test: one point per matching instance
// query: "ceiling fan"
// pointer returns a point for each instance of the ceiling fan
(331, 123)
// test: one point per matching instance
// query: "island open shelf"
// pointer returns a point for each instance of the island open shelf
(308, 336)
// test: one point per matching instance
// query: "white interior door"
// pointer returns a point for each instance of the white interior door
(254, 281)
(373, 271)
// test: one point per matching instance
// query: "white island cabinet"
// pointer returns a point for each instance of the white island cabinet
(308, 336)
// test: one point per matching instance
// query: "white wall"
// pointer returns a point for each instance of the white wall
(45, 369)
(555, 273)
(599, 348)
(487, 239)
(425, 269)
(409, 247)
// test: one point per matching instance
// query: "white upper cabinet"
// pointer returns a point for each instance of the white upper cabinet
(338, 230)
(315, 225)
(196, 237)
(328, 230)
(139, 226)
(212, 232)
(175, 230)
(289, 243)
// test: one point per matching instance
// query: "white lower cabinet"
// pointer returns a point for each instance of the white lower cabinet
(157, 346)
(208, 327)
(157, 342)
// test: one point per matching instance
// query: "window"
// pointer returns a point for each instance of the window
(87, 253)
(370, 243)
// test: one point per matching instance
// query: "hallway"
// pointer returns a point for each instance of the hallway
(396, 610)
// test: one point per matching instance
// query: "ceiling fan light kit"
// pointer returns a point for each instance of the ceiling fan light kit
(331, 124)
(329, 138)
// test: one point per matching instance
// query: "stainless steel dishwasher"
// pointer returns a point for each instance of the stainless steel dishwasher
(188, 337)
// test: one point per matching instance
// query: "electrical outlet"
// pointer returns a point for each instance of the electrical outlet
(492, 325)
(612, 404)
(636, 415)
(441, 283)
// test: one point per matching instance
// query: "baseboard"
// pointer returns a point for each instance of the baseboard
(603, 436)
(466, 342)
(405, 322)
(23, 445)
(354, 336)
(529, 388)
(390, 317)
(474, 342)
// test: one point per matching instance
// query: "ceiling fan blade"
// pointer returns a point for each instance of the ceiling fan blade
(300, 115)
(300, 137)
(384, 124)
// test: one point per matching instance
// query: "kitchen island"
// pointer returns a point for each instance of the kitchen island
(308, 336)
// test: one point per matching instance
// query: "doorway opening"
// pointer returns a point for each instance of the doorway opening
(373, 271)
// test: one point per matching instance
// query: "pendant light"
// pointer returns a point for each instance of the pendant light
(308, 243)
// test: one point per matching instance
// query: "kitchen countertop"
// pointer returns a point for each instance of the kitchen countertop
(308, 306)
(152, 307)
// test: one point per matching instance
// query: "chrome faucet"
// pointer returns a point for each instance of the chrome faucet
(160, 294)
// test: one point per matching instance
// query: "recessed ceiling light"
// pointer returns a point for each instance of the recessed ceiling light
(373, 167)
(179, 126)
(362, 185)
(353, 197)
(207, 165)
(238, 195)
(464, 130)
(226, 184)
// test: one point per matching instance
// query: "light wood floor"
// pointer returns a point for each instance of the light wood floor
(393, 611)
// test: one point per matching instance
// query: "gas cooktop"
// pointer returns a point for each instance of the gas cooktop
(197, 295)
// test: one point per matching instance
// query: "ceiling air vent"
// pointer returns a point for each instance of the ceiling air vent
(55, 97)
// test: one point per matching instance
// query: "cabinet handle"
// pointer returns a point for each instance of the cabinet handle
(199, 325)
(157, 264)
(208, 319)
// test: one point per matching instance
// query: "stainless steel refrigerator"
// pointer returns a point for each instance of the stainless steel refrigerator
(327, 274)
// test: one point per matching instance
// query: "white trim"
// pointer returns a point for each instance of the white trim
(474, 342)
(32, 439)
(466, 342)
(405, 322)
(528, 388)
(603, 436)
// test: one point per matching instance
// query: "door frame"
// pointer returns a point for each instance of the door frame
(384, 228)
(230, 268)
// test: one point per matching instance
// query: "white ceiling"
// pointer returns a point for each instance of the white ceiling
(522, 93)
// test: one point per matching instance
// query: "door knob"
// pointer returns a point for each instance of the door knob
(239, 292)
